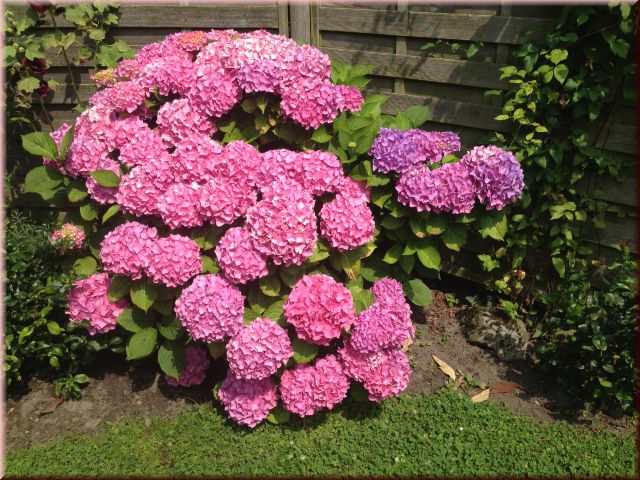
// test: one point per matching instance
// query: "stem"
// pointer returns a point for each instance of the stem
(66, 59)
(47, 117)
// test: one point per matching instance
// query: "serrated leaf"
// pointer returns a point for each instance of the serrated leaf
(321, 135)
(77, 191)
(270, 286)
(275, 311)
(40, 144)
(278, 416)
(303, 352)
(89, 211)
(171, 358)
(106, 178)
(454, 237)
(133, 320)
(429, 257)
(170, 328)
(85, 266)
(141, 344)
(143, 293)
(42, 179)
(209, 264)
(113, 209)
(28, 84)
(445, 367)
(393, 254)
(363, 299)
(494, 226)
(66, 141)
(417, 292)
(119, 287)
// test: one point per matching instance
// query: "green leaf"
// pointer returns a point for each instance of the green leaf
(321, 135)
(66, 142)
(605, 383)
(363, 299)
(472, 50)
(106, 178)
(407, 262)
(429, 256)
(42, 179)
(488, 263)
(170, 328)
(558, 55)
(278, 416)
(209, 264)
(417, 292)
(81, 378)
(171, 358)
(417, 115)
(141, 344)
(560, 72)
(216, 349)
(85, 266)
(54, 328)
(558, 264)
(275, 311)
(143, 293)
(454, 237)
(270, 286)
(40, 144)
(119, 287)
(303, 352)
(393, 254)
(113, 209)
(28, 84)
(493, 225)
(77, 190)
(133, 320)
(89, 211)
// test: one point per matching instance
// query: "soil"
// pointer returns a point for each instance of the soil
(119, 390)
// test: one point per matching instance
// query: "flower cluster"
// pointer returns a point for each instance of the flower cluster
(196, 364)
(258, 350)
(68, 237)
(373, 354)
(133, 249)
(306, 389)
(320, 309)
(88, 300)
(248, 402)
(486, 173)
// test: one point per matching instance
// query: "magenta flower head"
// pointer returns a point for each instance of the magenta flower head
(174, 260)
(127, 249)
(445, 189)
(240, 262)
(195, 368)
(248, 402)
(496, 175)
(383, 374)
(283, 224)
(258, 349)
(68, 237)
(320, 309)
(347, 221)
(306, 388)
(386, 323)
(211, 308)
(88, 300)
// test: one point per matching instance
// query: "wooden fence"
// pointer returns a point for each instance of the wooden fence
(390, 39)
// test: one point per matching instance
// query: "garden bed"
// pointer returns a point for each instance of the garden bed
(118, 391)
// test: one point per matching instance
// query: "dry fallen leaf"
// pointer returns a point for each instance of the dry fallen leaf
(459, 381)
(408, 343)
(504, 388)
(55, 402)
(445, 367)
(482, 396)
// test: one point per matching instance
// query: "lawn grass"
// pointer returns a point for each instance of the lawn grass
(437, 435)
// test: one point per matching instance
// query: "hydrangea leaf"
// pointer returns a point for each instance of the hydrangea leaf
(171, 358)
(141, 344)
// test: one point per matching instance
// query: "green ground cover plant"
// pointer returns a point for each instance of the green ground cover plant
(437, 435)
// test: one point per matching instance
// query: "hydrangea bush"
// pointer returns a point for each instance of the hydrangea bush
(224, 182)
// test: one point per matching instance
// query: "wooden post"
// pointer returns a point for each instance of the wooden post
(400, 48)
(300, 13)
(283, 17)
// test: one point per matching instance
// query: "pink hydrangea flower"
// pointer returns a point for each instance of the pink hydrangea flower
(222, 201)
(88, 300)
(445, 189)
(211, 308)
(258, 350)
(383, 373)
(68, 237)
(170, 75)
(104, 195)
(140, 190)
(305, 389)
(347, 222)
(283, 224)
(214, 93)
(240, 262)
(127, 249)
(178, 207)
(121, 97)
(248, 402)
(177, 120)
(195, 368)
(319, 308)
(174, 260)
(385, 324)
(496, 175)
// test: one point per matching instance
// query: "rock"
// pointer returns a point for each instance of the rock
(507, 338)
